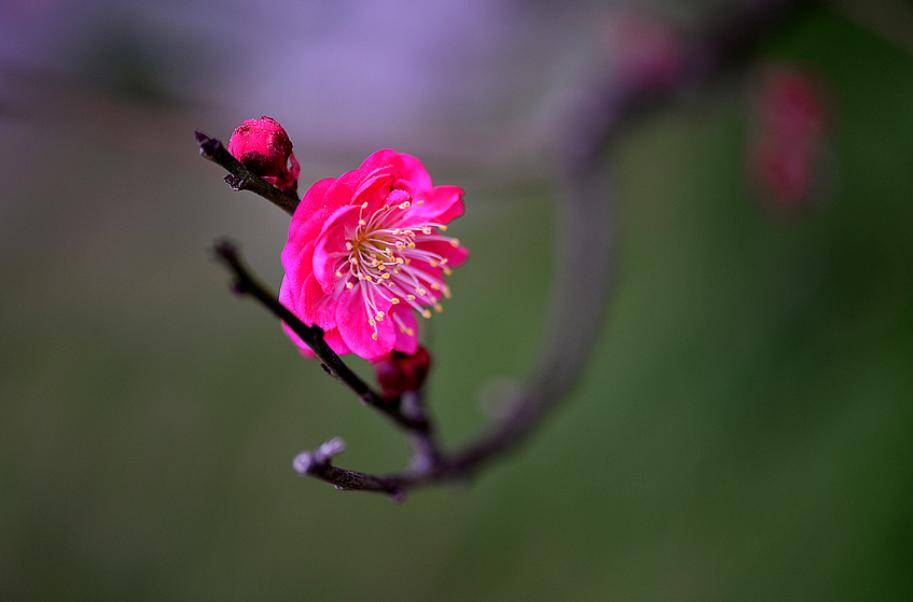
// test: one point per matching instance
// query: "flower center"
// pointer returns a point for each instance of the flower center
(387, 261)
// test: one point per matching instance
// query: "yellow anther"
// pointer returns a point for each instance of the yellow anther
(385, 275)
(364, 205)
(454, 242)
(448, 272)
(379, 316)
(405, 205)
(372, 322)
(382, 267)
(349, 285)
(438, 307)
(442, 228)
(410, 297)
(435, 286)
(374, 336)
(419, 202)
(338, 274)
(421, 291)
(411, 245)
(433, 263)
(447, 292)
(426, 314)
(399, 260)
(362, 222)
(395, 300)
(426, 230)
(348, 246)
(410, 332)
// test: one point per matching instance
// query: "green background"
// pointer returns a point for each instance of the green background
(743, 431)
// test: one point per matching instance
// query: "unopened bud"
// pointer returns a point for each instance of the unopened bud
(399, 373)
(263, 146)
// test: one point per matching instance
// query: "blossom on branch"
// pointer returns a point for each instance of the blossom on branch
(365, 253)
(264, 147)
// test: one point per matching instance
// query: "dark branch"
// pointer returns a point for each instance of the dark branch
(240, 177)
(246, 284)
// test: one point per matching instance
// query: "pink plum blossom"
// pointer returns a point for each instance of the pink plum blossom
(791, 123)
(264, 147)
(365, 253)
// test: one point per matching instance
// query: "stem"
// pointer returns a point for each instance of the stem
(241, 178)
(246, 284)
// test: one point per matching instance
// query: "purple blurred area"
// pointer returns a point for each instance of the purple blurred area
(436, 77)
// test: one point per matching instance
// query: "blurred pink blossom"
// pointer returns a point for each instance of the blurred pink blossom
(791, 124)
(646, 52)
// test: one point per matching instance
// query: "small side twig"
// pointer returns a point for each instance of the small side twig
(240, 177)
(318, 464)
(246, 284)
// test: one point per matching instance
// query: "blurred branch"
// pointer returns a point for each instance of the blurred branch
(246, 284)
(241, 178)
(584, 262)
(892, 20)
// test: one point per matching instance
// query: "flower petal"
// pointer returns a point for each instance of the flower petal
(409, 170)
(405, 342)
(331, 245)
(309, 216)
(315, 306)
(442, 205)
(356, 331)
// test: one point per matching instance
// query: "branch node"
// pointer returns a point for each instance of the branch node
(307, 462)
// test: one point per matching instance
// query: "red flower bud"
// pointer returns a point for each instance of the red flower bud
(399, 373)
(264, 147)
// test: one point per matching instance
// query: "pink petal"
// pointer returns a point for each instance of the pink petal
(286, 299)
(315, 306)
(333, 240)
(353, 326)
(442, 205)
(404, 342)
(407, 168)
(331, 335)
(310, 215)
(415, 173)
(298, 266)
(334, 340)
(374, 189)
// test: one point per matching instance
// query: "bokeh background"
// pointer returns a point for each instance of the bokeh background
(743, 431)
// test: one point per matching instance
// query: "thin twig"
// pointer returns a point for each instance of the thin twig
(246, 284)
(240, 177)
